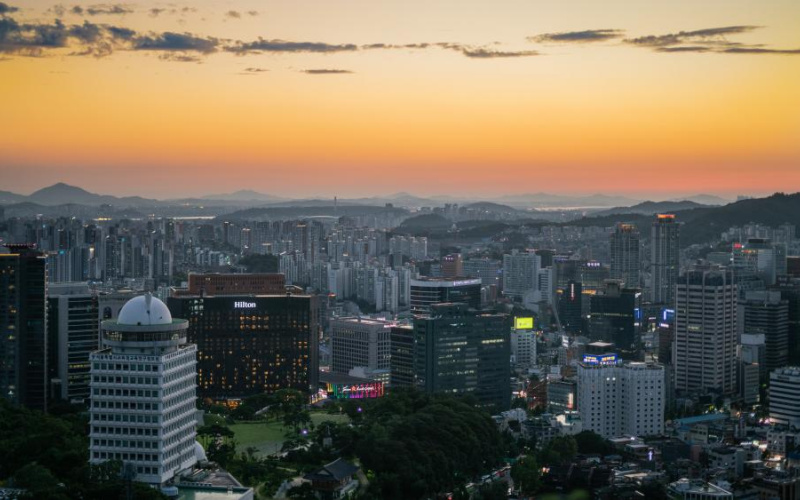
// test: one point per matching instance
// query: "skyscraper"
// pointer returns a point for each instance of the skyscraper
(706, 333)
(613, 316)
(72, 336)
(664, 259)
(764, 313)
(520, 274)
(460, 350)
(143, 392)
(363, 342)
(625, 260)
(618, 400)
(571, 307)
(23, 321)
(402, 357)
(428, 291)
(784, 396)
(252, 344)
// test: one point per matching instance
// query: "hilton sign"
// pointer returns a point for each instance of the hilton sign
(244, 305)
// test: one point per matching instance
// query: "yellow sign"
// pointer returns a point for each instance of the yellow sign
(523, 323)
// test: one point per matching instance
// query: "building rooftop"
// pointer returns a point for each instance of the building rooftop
(144, 310)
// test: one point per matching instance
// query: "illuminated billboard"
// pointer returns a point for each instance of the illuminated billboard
(600, 359)
(363, 390)
(523, 323)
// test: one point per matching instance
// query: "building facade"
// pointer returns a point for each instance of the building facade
(143, 393)
(625, 259)
(428, 291)
(617, 400)
(664, 259)
(706, 333)
(252, 344)
(458, 350)
(360, 342)
(73, 335)
(784, 396)
(23, 321)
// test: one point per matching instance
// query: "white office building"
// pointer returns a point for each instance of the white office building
(143, 392)
(617, 399)
(784, 396)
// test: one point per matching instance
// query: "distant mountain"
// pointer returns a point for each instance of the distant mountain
(651, 207)
(244, 195)
(704, 199)
(7, 197)
(556, 200)
(289, 211)
(704, 224)
(64, 194)
(490, 206)
(425, 222)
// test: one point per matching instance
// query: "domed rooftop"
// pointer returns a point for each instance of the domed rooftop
(144, 310)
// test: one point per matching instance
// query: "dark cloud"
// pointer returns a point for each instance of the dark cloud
(716, 35)
(685, 48)
(107, 9)
(252, 13)
(76, 9)
(121, 33)
(7, 9)
(170, 41)
(326, 71)
(759, 50)
(482, 53)
(155, 12)
(586, 36)
(255, 70)
(178, 57)
(234, 14)
(262, 45)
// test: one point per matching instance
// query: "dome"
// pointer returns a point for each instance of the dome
(199, 452)
(144, 310)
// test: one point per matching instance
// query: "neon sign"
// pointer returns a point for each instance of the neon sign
(365, 390)
(244, 305)
(603, 359)
(523, 323)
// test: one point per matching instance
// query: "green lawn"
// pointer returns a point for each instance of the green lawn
(267, 438)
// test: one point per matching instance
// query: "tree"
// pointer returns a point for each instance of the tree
(302, 492)
(38, 480)
(526, 475)
(591, 443)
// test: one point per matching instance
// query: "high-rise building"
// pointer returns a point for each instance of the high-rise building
(765, 313)
(784, 396)
(625, 260)
(523, 344)
(360, 342)
(614, 314)
(561, 396)
(72, 336)
(460, 350)
(23, 321)
(452, 266)
(617, 400)
(664, 259)
(706, 334)
(402, 357)
(233, 284)
(520, 274)
(571, 307)
(759, 258)
(252, 344)
(428, 291)
(488, 270)
(143, 406)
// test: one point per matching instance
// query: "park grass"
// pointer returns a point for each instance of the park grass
(268, 437)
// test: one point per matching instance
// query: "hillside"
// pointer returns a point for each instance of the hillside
(652, 207)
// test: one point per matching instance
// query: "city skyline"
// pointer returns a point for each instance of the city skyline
(476, 99)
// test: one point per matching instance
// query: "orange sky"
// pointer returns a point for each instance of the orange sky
(579, 111)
